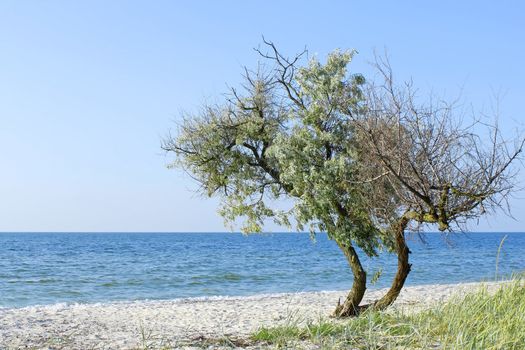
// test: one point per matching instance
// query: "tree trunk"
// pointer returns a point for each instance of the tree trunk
(350, 307)
(403, 267)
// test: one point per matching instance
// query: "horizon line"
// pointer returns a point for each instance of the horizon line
(253, 233)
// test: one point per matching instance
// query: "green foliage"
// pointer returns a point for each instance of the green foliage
(376, 276)
(480, 320)
(287, 136)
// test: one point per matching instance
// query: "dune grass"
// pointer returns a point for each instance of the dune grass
(481, 320)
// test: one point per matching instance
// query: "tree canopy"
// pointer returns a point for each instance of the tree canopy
(285, 134)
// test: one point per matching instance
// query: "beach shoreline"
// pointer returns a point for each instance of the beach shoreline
(128, 325)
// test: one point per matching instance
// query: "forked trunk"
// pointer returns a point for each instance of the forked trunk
(350, 307)
(403, 267)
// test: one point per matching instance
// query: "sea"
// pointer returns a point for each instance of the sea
(50, 268)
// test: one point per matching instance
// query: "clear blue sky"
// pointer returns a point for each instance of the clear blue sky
(88, 89)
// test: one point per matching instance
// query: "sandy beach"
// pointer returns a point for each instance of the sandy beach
(177, 323)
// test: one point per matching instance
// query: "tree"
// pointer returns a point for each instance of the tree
(360, 161)
(286, 135)
(443, 171)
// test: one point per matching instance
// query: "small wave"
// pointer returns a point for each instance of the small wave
(199, 279)
(182, 300)
(230, 277)
(34, 281)
(109, 284)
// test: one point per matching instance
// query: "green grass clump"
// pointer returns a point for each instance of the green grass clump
(480, 320)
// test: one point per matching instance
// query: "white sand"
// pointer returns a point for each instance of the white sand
(169, 323)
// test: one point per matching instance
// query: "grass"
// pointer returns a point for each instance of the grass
(480, 320)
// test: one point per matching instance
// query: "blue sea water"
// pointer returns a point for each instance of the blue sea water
(48, 268)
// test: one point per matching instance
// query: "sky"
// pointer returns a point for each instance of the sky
(88, 89)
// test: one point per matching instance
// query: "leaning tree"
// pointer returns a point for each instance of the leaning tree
(444, 167)
(286, 134)
(360, 161)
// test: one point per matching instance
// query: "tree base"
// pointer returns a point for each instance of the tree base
(350, 310)
(343, 311)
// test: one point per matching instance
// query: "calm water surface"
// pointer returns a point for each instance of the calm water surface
(46, 268)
